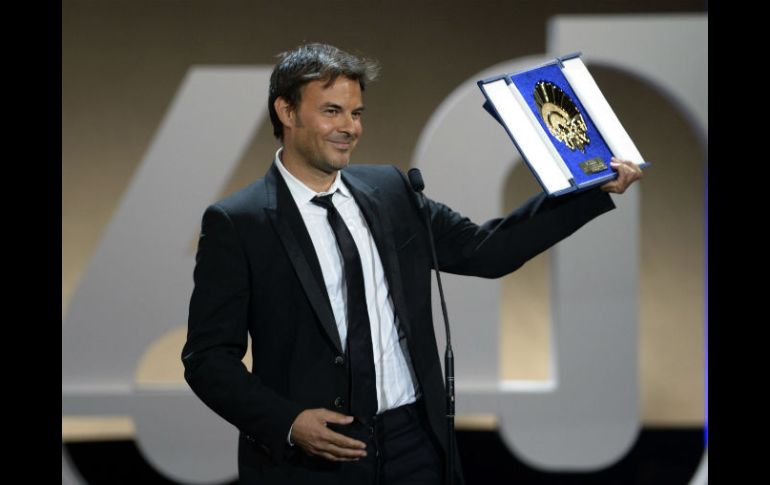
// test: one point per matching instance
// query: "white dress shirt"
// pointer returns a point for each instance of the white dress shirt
(394, 381)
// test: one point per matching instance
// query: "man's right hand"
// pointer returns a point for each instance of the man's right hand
(309, 431)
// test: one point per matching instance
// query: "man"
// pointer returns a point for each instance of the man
(327, 267)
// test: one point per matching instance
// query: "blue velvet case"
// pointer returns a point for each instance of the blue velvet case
(525, 82)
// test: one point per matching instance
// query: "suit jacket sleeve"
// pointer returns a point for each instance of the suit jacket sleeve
(502, 245)
(217, 339)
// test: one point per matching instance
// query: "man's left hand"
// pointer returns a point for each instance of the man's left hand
(628, 173)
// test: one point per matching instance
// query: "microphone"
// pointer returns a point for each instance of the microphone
(415, 180)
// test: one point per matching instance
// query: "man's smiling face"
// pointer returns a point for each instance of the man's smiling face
(327, 124)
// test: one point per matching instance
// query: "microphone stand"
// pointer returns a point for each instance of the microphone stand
(415, 179)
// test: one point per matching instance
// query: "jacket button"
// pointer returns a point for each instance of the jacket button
(338, 402)
(339, 360)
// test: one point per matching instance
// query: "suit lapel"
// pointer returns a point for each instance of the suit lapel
(368, 200)
(287, 221)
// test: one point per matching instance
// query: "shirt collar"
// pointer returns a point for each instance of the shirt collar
(301, 193)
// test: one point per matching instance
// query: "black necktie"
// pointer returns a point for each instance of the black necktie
(363, 400)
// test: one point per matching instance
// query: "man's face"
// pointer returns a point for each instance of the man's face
(327, 124)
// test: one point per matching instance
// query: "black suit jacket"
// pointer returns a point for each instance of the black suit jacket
(257, 272)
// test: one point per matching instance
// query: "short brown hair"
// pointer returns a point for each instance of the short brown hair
(311, 62)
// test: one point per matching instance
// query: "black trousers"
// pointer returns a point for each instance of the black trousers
(400, 451)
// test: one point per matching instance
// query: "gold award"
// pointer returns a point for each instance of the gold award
(561, 116)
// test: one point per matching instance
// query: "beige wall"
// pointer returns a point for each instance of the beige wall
(124, 60)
